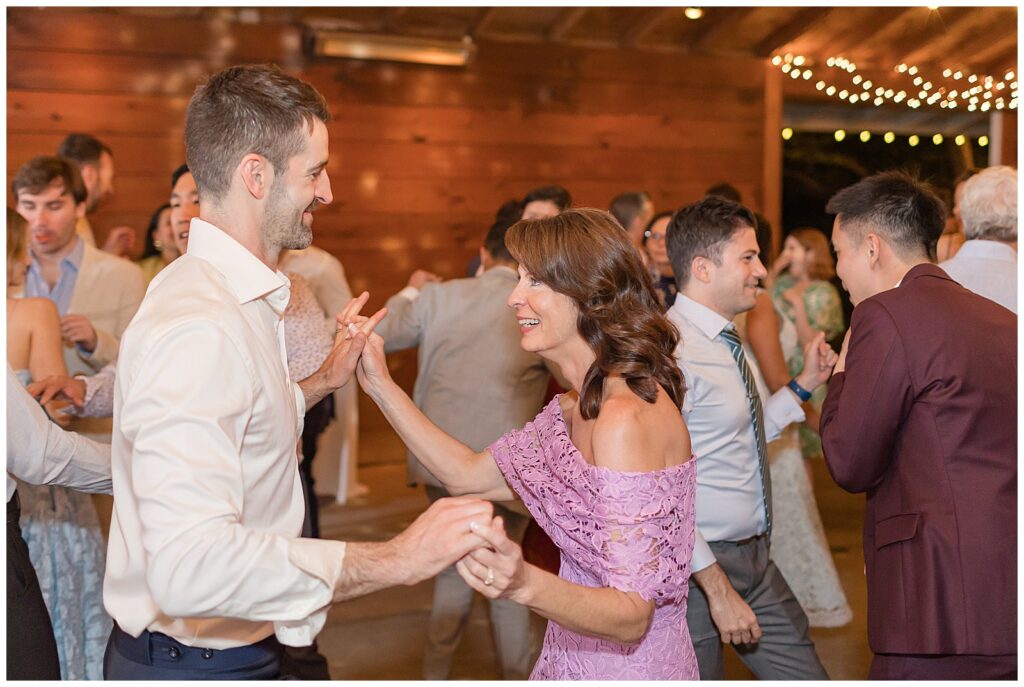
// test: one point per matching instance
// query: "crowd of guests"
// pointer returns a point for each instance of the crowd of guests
(647, 389)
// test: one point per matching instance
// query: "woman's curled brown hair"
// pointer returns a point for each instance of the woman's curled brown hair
(584, 254)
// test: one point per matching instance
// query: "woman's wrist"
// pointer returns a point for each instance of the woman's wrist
(525, 593)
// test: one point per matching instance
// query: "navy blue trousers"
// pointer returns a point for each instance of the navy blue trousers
(155, 656)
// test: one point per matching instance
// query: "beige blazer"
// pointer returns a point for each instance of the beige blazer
(475, 382)
(108, 291)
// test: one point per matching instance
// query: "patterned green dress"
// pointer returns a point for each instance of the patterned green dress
(825, 313)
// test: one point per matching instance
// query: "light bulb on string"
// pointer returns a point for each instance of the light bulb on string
(787, 134)
(889, 137)
(937, 139)
(960, 139)
(839, 135)
(913, 140)
(983, 141)
(865, 136)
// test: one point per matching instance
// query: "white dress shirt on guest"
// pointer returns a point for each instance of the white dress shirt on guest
(208, 505)
(730, 505)
(40, 452)
(988, 268)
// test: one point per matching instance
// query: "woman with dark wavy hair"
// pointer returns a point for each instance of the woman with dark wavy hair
(606, 470)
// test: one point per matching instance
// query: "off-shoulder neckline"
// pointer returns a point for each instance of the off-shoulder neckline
(562, 429)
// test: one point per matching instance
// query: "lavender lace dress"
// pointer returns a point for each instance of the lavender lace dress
(631, 531)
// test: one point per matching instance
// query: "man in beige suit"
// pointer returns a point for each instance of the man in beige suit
(475, 383)
(96, 293)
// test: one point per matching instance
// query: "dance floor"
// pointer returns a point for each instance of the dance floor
(381, 636)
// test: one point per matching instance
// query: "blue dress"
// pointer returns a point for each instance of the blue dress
(66, 546)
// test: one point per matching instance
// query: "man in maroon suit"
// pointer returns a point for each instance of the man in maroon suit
(921, 414)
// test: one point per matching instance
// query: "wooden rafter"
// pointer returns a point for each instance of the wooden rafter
(483, 21)
(801, 22)
(716, 22)
(995, 51)
(930, 47)
(852, 37)
(649, 21)
(1001, 62)
(392, 16)
(561, 27)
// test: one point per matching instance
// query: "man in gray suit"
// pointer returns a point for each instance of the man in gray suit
(475, 383)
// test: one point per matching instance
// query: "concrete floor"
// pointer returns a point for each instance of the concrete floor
(381, 636)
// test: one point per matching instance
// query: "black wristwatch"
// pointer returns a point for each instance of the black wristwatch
(803, 394)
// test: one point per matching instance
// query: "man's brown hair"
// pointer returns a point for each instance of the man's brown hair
(38, 173)
(247, 109)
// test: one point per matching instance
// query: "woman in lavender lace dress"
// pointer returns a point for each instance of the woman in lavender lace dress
(605, 470)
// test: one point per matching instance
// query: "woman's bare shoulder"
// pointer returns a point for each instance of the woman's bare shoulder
(633, 435)
(33, 308)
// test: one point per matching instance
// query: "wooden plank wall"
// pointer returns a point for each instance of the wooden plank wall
(420, 156)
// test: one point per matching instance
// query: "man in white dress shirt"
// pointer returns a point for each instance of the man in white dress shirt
(987, 263)
(205, 563)
(737, 594)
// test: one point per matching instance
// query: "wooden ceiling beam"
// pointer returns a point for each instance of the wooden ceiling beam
(852, 38)
(484, 19)
(996, 51)
(929, 47)
(1002, 62)
(649, 21)
(716, 22)
(801, 22)
(392, 16)
(565, 22)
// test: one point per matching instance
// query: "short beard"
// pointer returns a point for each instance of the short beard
(281, 228)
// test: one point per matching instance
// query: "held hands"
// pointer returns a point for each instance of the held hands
(443, 534)
(497, 569)
(349, 341)
(58, 387)
(79, 330)
(819, 359)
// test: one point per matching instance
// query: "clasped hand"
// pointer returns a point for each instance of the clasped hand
(496, 569)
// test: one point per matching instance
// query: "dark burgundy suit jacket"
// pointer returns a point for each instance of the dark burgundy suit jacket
(924, 419)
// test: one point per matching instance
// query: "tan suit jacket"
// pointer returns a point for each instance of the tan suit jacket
(475, 382)
(108, 291)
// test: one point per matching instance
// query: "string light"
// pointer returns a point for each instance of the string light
(929, 92)
(693, 13)
(913, 140)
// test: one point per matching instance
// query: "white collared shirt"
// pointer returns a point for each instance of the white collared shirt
(730, 506)
(208, 505)
(40, 452)
(988, 268)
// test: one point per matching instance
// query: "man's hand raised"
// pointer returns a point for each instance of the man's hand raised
(341, 362)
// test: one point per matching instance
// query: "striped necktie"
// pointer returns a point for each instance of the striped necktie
(757, 415)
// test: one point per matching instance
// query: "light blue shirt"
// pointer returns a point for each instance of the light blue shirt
(60, 294)
(730, 501)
